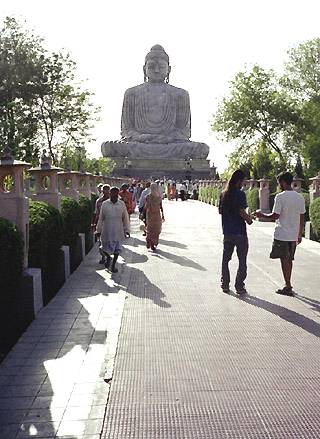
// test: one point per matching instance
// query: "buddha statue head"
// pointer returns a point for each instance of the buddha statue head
(156, 68)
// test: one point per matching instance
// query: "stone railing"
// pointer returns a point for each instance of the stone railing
(46, 183)
(264, 190)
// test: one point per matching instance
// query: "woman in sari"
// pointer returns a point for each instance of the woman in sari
(126, 197)
(154, 214)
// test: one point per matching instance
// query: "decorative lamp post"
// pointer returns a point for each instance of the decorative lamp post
(14, 205)
(297, 184)
(46, 182)
(69, 184)
(314, 188)
(264, 193)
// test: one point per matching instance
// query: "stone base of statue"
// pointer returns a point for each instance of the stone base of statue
(177, 169)
(179, 160)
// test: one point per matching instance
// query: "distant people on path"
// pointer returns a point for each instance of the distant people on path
(113, 226)
(195, 191)
(232, 207)
(126, 197)
(154, 216)
(104, 196)
(138, 193)
(142, 202)
(172, 192)
(183, 192)
(288, 211)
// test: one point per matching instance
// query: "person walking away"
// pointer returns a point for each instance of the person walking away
(183, 192)
(126, 197)
(138, 193)
(133, 191)
(105, 195)
(154, 214)
(288, 211)
(232, 207)
(195, 191)
(113, 227)
(172, 192)
(142, 202)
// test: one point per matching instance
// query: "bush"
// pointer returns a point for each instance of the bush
(11, 256)
(11, 266)
(86, 212)
(306, 197)
(45, 241)
(94, 198)
(253, 199)
(71, 218)
(315, 216)
(209, 194)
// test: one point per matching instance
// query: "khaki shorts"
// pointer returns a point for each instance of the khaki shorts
(283, 250)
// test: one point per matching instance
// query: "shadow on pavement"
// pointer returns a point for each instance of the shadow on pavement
(137, 284)
(172, 244)
(180, 260)
(133, 257)
(315, 304)
(286, 314)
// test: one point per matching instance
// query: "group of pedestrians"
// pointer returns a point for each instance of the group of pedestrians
(114, 207)
(288, 212)
(111, 220)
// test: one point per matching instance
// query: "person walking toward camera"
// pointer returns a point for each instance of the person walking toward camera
(114, 227)
(288, 211)
(232, 207)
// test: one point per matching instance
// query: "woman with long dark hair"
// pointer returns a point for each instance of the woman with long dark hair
(232, 207)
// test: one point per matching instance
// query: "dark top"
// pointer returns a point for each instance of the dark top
(232, 223)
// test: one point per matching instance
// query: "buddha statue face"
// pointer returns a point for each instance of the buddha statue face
(156, 68)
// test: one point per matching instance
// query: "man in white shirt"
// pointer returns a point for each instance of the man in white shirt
(288, 211)
(113, 227)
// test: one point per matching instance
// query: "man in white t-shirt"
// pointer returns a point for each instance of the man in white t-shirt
(288, 211)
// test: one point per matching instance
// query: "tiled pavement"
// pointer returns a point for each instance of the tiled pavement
(192, 362)
(195, 363)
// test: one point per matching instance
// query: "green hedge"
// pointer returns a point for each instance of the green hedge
(11, 266)
(306, 197)
(315, 216)
(11, 256)
(209, 194)
(45, 241)
(253, 199)
(86, 212)
(71, 218)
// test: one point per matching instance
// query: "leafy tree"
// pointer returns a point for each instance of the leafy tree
(65, 111)
(41, 103)
(77, 159)
(20, 51)
(256, 110)
(302, 71)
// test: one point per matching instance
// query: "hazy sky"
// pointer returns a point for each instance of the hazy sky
(207, 41)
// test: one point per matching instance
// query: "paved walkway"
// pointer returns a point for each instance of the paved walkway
(192, 362)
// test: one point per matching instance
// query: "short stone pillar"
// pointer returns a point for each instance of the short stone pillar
(297, 184)
(314, 188)
(85, 184)
(246, 185)
(46, 183)
(264, 193)
(253, 184)
(69, 184)
(14, 205)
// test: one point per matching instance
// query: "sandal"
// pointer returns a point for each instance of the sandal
(285, 291)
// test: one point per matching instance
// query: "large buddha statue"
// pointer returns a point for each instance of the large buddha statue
(156, 120)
